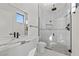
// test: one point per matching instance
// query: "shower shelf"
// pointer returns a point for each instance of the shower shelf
(52, 29)
(47, 28)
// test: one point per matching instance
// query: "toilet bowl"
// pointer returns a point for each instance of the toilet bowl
(41, 47)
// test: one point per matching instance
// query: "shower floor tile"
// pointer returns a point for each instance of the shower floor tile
(49, 53)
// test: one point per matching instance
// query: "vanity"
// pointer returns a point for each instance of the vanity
(18, 47)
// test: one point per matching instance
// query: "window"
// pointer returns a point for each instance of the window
(19, 18)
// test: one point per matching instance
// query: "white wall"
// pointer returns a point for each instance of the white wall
(8, 22)
(75, 33)
(32, 11)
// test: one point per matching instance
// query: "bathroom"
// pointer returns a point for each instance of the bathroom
(38, 29)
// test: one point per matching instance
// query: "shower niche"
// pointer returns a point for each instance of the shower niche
(55, 27)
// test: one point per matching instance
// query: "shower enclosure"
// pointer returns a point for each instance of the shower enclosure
(55, 26)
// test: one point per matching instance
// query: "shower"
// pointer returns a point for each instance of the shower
(55, 26)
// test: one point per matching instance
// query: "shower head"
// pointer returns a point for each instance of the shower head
(53, 9)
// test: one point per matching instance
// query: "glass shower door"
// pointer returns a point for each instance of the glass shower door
(55, 32)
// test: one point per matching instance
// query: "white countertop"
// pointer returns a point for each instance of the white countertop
(4, 44)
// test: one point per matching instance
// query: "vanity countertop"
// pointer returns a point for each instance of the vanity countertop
(4, 44)
(18, 46)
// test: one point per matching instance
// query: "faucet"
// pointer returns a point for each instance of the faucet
(15, 34)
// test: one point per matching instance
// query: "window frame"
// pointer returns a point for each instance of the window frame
(20, 15)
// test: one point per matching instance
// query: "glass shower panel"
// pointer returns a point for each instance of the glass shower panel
(55, 32)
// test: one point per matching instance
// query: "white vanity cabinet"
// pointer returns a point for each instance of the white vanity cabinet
(19, 49)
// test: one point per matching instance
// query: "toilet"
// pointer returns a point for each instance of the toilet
(41, 47)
